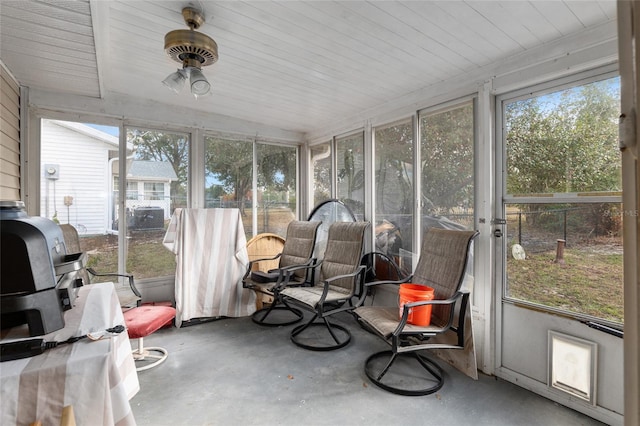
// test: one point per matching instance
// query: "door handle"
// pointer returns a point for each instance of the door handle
(498, 221)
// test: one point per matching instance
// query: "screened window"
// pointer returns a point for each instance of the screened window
(350, 171)
(447, 166)
(229, 182)
(562, 201)
(87, 195)
(157, 154)
(321, 164)
(277, 183)
(228, 165)
(393, 158)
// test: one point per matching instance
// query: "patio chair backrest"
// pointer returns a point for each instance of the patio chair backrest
(71, 239)
(299, 244)
(442, 264)
(345, 245)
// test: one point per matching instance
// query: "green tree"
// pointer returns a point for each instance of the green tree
(350, 171)
(321, 161)
(564, 142)
(447, 160)
(214, 192)
(231, 163)
(277, 167)
(394, 164)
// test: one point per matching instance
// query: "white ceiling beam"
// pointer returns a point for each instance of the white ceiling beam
(152, 113)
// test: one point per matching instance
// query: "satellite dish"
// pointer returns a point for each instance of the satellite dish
(518, 252)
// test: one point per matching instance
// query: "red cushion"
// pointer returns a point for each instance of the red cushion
(144, 320)
(169, 323)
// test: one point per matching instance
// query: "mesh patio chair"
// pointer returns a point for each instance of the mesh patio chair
(296, 252)
(441, 266)
(128, 294)
(340, 279)
(328, 212)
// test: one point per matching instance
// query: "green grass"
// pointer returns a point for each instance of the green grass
(147, 257)
(588, 283)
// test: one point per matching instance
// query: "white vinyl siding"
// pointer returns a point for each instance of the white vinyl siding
(84, 175)
(9, 137)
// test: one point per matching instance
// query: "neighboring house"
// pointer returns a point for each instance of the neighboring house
(78, 184)
(78, 157)
(148, 191)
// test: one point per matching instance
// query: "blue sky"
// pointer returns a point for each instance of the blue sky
(106, 129)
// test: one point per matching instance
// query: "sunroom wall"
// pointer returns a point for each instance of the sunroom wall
(595, 49)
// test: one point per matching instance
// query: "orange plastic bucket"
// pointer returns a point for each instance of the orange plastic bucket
(419, 315)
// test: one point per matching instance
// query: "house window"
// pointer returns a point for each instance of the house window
(132, 190)
(152, 190)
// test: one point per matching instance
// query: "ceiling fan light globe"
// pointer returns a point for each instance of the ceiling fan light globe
(199, 84)
(175, 81)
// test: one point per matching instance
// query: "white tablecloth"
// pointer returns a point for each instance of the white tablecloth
(97, 377)
(211, 257)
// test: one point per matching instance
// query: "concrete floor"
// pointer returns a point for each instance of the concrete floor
(234, 372)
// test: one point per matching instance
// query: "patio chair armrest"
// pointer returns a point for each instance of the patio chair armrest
(451, 301)
(397, 282)
(254, 261)
(287, 272)
(128, 276)
(327, 283)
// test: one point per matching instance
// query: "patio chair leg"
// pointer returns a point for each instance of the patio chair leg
(302, 328)
(386, 368)
(435, 375)
(335, 338)
(330, 327)
(260, 316)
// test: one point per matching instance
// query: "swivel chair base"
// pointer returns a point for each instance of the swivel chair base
(433, 370)
(340, 341)
(260, 316)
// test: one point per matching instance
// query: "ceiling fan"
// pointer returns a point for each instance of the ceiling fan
(193, 50)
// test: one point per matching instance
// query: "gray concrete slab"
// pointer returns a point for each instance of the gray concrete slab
(234, 372)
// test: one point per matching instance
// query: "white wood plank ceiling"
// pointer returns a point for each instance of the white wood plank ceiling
(294, 65)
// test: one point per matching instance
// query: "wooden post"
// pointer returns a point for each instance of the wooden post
(560, 252)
